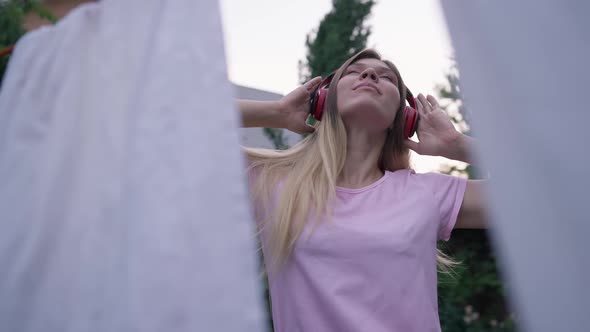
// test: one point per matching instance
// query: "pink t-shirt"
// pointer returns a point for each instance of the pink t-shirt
(372, 267)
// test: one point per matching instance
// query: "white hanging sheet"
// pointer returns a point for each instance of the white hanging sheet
(525, 76)
(123, 205)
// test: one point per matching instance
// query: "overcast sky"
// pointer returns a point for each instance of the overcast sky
(265, 38)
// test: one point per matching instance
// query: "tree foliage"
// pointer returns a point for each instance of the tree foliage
(12, 17)
(342, 33)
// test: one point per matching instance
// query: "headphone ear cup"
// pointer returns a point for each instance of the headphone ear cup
(411, 119)
(313, 102)
(319, 103)
(319, 98)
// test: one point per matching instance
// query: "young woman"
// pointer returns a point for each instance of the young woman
(348, 230)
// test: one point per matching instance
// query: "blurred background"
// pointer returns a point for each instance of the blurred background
(274, 46)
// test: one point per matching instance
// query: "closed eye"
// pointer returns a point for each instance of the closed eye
(391, 79)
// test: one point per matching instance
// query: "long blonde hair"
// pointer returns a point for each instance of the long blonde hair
(308, 171)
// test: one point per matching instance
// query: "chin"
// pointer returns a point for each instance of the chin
(371, 120)
(368, 113)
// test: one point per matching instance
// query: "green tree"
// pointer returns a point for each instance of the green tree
(472, 298)
(449, 94)
(342, 33)
(277, 137)
(12, 16)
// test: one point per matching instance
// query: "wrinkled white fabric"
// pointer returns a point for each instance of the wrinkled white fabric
(525, 76)
(122, 200)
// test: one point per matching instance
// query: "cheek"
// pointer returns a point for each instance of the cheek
(394, 101)
(343, 100)
(393, 91)
(393, 107)
(390, 117)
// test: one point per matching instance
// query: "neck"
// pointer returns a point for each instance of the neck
(362, 160)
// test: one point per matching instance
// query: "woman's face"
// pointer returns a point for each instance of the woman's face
(368, 95)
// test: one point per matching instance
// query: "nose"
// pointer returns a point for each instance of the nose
(371, 73)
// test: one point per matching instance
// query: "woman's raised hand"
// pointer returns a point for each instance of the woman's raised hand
(295, 107)
(436, 134)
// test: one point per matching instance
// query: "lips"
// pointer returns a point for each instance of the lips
(369, 85)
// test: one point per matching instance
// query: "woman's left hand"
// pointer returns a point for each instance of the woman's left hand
(436, 134)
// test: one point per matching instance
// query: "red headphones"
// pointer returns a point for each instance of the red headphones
(319, 98)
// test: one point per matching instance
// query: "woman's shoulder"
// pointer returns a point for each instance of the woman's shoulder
(407, 175)
(399, 180)
(412, 178)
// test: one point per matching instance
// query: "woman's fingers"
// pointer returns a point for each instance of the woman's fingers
(307, 129)
(419, 106)
(425, 104)
(422, 105)
(433, 101)
(412, 145)
(313, 83)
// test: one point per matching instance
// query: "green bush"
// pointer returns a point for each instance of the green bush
(471, 298)
(12, 16)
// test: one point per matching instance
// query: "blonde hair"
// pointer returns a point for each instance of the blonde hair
(308, 171)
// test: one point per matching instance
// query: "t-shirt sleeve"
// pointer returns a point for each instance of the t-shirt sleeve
(448, 191)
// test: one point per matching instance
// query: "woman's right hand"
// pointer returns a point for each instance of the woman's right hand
(295, 107)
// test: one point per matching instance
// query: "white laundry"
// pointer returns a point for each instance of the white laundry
(122, 200)
(525, 76)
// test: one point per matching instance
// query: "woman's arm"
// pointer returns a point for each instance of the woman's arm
(472, 213)
(290, 112)
(265, 114)
(473, 209)
(438, 137)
